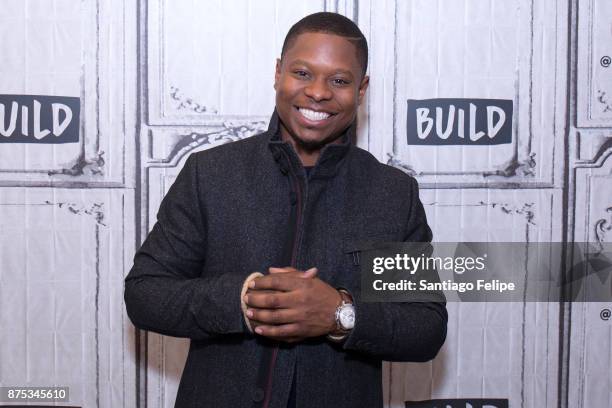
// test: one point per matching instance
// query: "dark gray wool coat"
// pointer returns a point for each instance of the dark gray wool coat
(246, 206)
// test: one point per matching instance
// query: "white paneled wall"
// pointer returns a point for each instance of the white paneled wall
(67, 211)
(63, 255)
(160, 79)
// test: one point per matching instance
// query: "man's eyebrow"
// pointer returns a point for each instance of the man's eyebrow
(306, 63)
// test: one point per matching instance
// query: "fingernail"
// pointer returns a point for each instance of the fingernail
(246, 298)
(252, 284)
(258, 330)
(249, 313)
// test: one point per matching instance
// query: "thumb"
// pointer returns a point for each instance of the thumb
(274, 269)
(310, 273)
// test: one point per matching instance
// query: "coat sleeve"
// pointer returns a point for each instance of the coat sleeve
(409, 331)
(165, 290)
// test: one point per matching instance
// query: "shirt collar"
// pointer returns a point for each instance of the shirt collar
(329, 161)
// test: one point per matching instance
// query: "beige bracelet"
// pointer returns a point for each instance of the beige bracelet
(243, 306)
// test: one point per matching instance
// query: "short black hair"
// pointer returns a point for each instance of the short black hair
(330, 23)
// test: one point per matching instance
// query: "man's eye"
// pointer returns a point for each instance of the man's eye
(301, 73)
(340, 81)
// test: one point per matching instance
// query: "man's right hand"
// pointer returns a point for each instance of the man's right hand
(293, 306)
(308, 274)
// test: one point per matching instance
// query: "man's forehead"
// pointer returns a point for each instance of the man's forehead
(320, 44)
(316, 38)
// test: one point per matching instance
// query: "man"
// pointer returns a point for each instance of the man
(294, 203)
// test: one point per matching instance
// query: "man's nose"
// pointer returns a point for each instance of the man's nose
(318, 90)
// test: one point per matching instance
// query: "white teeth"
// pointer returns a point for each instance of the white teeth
(312, 115)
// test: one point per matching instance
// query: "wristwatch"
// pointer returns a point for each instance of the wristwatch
(345, 317)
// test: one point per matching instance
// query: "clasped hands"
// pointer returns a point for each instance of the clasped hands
(291, 305)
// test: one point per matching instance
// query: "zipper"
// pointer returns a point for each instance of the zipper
(294, 251)
(355, 258)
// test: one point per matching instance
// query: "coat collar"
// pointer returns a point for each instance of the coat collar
(331, 158)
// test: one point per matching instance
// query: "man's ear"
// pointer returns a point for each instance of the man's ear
(363, 86)
(277, 72)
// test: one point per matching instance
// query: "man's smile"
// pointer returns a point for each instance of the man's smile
(314, 116)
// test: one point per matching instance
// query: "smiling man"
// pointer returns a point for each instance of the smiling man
(255, 254)
(319, 85)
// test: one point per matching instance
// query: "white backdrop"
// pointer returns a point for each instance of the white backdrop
(159, 79)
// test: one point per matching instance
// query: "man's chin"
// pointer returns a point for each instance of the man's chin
(313, 144)
(310, 145)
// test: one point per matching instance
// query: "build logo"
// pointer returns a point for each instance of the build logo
(459, 122)
(39, 119)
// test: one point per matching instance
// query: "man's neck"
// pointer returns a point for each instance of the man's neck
(308, 157)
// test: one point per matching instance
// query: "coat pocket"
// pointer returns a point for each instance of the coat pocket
(356, 246)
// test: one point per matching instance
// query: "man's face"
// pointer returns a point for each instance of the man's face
(318, 86)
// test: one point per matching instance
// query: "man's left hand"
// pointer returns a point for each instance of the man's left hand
(290, 306)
